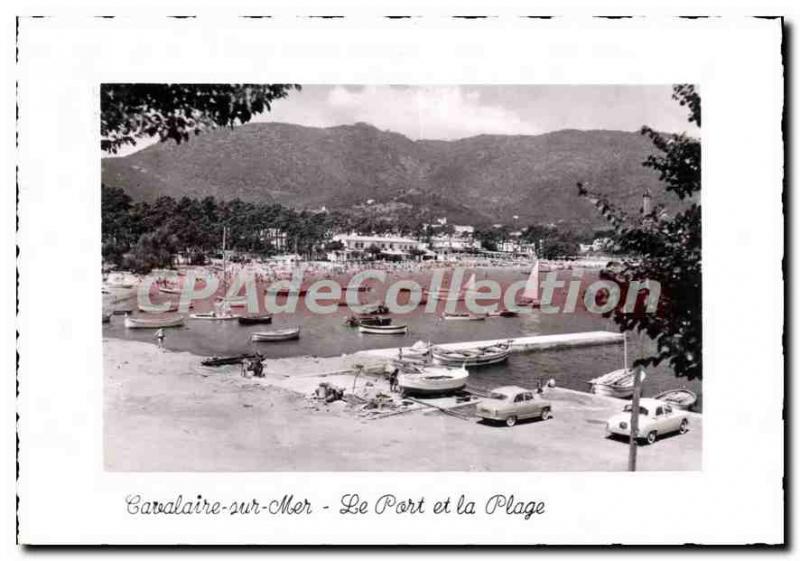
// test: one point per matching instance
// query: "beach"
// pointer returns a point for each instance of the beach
(163, 411)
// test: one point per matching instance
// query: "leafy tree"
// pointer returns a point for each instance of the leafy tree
(665, 249)
(131, 112)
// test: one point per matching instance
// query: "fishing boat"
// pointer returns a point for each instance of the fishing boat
(463, 317)
(618, 383)
(478, 356)
(153, 323)
(418, 352)
(276, 335)
(680, 398)
(255, 319)
(383, 329)
(432, 380)
(234, 302)
(503, 314)
(216, 316)
(227, 360)
(362, 319)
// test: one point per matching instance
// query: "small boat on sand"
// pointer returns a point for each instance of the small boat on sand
(478, 356)
(680, 398)
(618, 383)
(463, 317)
(432, 380)
(227, 360)
(383, 329)
(153, 323)
(275, 335)
(255, 319)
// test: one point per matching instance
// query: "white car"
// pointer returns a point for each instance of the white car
(656, 418)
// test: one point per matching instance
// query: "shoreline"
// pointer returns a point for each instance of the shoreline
(163, 411)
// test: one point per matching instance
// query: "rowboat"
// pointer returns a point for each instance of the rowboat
(680, 398)
(503, 314)
(383, 329)
(153, 323)
(224, 316)
(255, 319)
(432, 380)
(463, 317)
(227, 360)
(237, 301)
(618, 383)
(479, 356)
(276, 335)
(363, 319)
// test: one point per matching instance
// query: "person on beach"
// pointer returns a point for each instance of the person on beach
(393, 387)
(160, 338)
(257, 368)
(245, 368)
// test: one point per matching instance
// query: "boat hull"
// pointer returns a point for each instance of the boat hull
(478, 357)
(433, 381)
(273, 336)
(255, 320)
(152, 323)
(383, 329)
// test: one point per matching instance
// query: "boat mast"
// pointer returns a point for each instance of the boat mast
(625, 350)
(224, 263)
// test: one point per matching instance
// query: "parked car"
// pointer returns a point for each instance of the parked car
(656, 418)
(508, 404)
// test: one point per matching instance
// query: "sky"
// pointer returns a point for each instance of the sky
(452, 112)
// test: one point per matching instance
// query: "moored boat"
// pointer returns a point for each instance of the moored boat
(478, 356)
(432, 380)
(276, 335)
(463, 317)
(216, 316)
(680, 398)
(153, 323)
(365, 319)
(383, 329)
(503, 314)
(255, 319)
(618, 383)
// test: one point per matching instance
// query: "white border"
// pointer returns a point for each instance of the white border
(65, 495)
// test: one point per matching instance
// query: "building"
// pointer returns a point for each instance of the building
(356, 246)
(274, 238)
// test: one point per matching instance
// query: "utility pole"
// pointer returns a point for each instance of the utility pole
(637, 389)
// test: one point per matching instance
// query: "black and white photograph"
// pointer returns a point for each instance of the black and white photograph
(393, 281)
(401, 278)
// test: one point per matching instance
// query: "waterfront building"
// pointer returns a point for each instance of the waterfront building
(357, 246)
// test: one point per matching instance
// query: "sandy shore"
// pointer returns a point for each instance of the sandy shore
(163, 411)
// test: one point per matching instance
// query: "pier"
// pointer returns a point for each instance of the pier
(518, 344)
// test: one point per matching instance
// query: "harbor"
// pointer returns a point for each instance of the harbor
(165, 412)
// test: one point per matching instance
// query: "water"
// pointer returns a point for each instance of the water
(327, 335)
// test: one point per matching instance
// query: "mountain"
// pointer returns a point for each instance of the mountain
(480, 180)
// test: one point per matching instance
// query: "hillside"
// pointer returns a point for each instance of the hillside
(483, 179)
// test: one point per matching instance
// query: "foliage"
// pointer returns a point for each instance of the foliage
(194, 228)
(131, 112)
(665, 249)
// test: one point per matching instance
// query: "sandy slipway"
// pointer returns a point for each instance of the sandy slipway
(163, 411)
